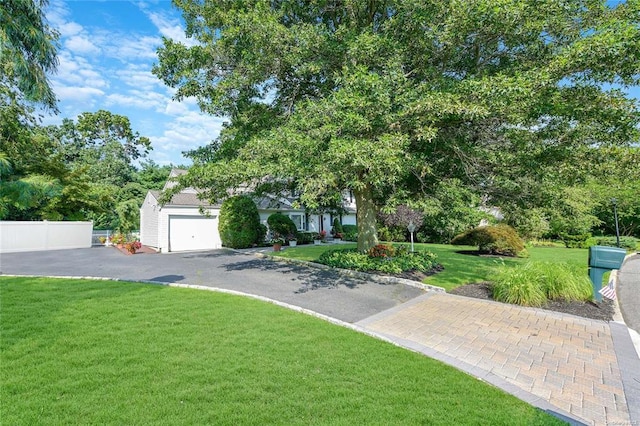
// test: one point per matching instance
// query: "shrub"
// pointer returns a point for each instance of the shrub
(534, 283)
(561, 281)
(628, 243)
(133, 246)
(382, 250)
(575, 240)
(394, 233)
(261, 233)
(500, 240)
(350, 232)
(281, 225)
(306, 237)
(518, 286)
(239, 222)
(337, 230)
(403, 261)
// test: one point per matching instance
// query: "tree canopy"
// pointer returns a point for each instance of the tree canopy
(388, 98)
(28, 50)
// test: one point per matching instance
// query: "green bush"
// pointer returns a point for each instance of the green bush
(281, 225)
(575, 240)
(535, 283)
(395, 233)
(262, 233)
(350, 232)
(518, 286)
(499, 240)
(561, 281)
(403, 261)
(628, 243)
(239, 224)
(305, 237)
(337, 230)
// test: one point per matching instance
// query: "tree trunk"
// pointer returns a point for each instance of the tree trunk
(366, 217)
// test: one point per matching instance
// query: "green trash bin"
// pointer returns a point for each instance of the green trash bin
(601, 260)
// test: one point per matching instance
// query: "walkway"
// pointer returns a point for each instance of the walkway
(558, 362)
(585, 370)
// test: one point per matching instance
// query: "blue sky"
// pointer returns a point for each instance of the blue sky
(107, 49)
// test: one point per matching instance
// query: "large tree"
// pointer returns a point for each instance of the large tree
(27, 49)
(387, 98)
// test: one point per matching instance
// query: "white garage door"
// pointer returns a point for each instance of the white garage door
(193, 233)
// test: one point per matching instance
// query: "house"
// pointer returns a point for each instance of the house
(185, 223)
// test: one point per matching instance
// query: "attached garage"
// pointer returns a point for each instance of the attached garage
(193, 233)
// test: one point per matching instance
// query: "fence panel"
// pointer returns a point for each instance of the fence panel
(36, 236)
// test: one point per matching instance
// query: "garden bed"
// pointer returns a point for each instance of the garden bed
(601, 311)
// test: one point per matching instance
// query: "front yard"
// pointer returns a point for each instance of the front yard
(102, 352)
(459, 269)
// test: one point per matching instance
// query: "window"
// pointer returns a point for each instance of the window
(298, 219)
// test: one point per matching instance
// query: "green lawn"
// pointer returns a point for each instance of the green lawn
(102, 352)
(459, 269)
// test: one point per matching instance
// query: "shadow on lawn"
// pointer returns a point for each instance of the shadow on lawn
(310, 278)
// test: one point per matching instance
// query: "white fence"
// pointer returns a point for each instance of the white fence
(35, 236)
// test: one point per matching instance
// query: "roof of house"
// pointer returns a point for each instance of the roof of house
(184, 199)
(189, 197)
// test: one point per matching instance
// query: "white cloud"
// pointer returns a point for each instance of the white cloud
(76, 93)
(126, 47)
(76, 70)
(68, 29)
(137, 99)
(81, 44)
(169, 27)
(137, 76)
(57, 12)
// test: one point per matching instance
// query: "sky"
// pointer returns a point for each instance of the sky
(107, 49)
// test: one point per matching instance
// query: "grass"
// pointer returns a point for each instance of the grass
(101, 352)
(460, 269)
(535, 283)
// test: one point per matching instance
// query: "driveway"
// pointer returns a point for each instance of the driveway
(323, 291)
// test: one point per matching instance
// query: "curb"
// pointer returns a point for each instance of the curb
(381, 279)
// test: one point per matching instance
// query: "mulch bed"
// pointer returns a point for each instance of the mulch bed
(141, 250)
(599, 311)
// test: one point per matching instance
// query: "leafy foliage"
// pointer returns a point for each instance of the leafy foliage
(281, 225)
(350, 232)
(28, 49)
(628, 243)
(422, 261)
(390, 98)
(534, 283)
(239, 224)
(501, 240)
(337, 230)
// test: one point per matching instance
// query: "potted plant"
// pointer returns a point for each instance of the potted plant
(133, 246)
(293, 241)
(317, 239)
(277, 242)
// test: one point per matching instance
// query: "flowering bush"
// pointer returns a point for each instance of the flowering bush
(277, 240)
(133, 246)
(382, 250)
(321, 235)
(118, 238)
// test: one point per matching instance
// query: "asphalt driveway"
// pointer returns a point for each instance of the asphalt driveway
(323, 291)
